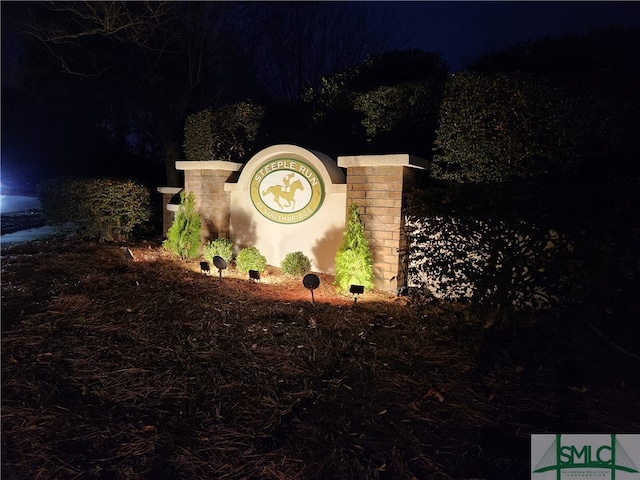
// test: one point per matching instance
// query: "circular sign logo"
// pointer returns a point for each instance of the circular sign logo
(286, 191)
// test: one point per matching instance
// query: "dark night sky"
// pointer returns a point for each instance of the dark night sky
(461, 31)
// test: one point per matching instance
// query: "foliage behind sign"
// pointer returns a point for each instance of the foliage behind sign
(224, 134)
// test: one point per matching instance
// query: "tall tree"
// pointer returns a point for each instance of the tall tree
(300, 42)
(141, 68)
(151, 63)
(388, 102)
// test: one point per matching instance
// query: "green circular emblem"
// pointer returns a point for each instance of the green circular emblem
(286, 190)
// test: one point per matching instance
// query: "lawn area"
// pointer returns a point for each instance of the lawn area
(149, 369)
(22, 220)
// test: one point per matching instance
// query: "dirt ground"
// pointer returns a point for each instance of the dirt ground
(149, 369)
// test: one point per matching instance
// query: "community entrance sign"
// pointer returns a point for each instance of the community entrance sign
(287, 191)
(288, 199)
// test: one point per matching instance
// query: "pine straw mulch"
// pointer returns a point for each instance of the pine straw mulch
(113, 369)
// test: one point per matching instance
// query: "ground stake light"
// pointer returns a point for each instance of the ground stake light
(220, 263)
(204, 268)
(356, 290)
(311, 281)
(128, 254)
(254, 275)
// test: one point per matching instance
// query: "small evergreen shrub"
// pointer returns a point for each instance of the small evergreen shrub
(250, 258)
(222, 247)
(296, 264)
(354, 263)
(104, 208)
(183, 237)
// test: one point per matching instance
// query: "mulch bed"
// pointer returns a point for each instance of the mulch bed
(149, 369)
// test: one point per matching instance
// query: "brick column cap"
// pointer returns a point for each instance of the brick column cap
(395, 159)
(169, 190)
(208, 165)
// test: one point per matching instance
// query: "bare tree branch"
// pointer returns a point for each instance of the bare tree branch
(65, 30)
(124, 21)
(303, 41)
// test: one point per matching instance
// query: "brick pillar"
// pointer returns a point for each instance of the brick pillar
(376, 183)
(206, 180)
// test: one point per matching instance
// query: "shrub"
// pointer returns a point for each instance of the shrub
(221, 247)
(103, 208)
(224, 134)
(183, 237)
(250, 258)
(354, 264)
(198, 141)
(503, 250)
(296, 264)
(57, 200)
(502, 127)
(397, 108)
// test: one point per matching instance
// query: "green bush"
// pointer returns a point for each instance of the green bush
(224, 134)
(503, 127)
(104, 208)
(183, 237)
(198, 140)
(57, 200)
(296, 264)
(354, 264)
(222, 247)
(250, 258)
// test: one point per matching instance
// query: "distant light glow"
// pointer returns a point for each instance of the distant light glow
(13, 182)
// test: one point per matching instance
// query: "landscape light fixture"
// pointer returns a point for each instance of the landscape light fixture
(254, 275)
(128, 254)
(220, 263)
(311, 281)
(356, 290)
(204, 268)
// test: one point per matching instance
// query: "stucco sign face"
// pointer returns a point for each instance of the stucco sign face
(286, 191)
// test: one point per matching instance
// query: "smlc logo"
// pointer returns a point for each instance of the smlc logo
(572, 456)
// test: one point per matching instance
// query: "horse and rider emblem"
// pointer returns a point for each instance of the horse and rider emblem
(285, 192)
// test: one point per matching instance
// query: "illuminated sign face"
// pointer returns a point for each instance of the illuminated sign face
(286, 191)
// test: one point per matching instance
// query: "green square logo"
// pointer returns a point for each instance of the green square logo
(585, 456)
